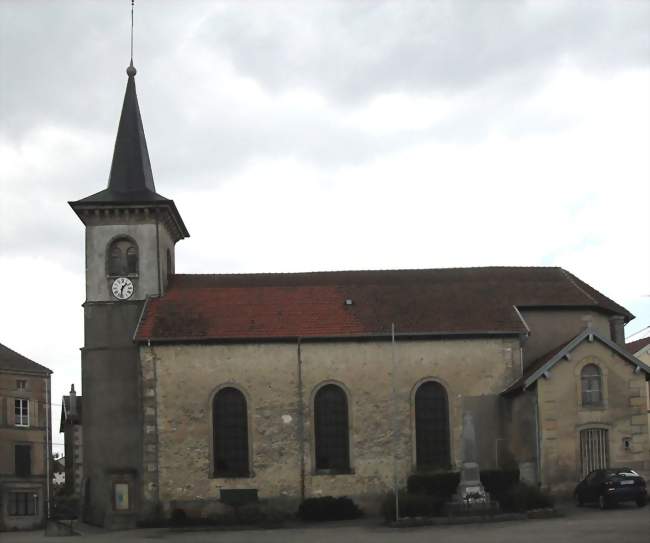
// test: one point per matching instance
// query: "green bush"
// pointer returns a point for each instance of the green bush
(411, 505)
(498, 482)
(251, 513)
(440, 484)
(523, 497)
(328, 508)
(178, 518)
(64, 508)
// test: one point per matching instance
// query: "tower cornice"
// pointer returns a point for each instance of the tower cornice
(91, 213)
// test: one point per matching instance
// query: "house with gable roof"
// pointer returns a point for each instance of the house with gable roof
(25, 441)
(200, 389)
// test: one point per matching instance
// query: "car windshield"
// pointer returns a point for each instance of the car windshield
(622, 472)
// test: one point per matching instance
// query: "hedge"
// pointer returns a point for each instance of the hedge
(328, 508)
(442, 484)
(412, 505)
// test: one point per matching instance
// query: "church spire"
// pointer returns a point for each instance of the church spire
(130, 179)
(130, 182)
(131, 168)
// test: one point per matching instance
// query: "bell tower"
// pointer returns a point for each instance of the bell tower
(131, 232)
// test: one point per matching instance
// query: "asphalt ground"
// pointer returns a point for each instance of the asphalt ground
(625, 524)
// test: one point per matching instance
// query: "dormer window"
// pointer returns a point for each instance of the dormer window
(122, 258)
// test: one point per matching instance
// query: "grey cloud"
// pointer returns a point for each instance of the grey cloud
(351, 51)
(64, 66)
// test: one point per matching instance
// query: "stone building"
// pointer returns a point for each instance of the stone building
(641, 350)
(71, 428)
(25, 441)
(287, 386)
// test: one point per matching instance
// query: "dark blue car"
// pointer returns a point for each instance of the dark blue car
(610, 486)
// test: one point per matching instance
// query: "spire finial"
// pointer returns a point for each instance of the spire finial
(131, 71)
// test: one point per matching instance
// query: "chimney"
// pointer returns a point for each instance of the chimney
(73, 402)
(617, 329)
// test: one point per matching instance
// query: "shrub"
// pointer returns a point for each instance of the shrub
(328, 508)
(441, 484)
(251, 513)
(524, 497)
(222, 519)
(498, 482)
(155, 518)
(64, 508)
(178, 518)
(411, 505)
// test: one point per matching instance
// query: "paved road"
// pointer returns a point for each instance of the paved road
(588, 525)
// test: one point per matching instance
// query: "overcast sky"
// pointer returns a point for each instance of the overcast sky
(300, 136)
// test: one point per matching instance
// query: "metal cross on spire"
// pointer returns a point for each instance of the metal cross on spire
(131, 71)
(132, 4)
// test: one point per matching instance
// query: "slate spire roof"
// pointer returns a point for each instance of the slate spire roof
(131, 178)
(130, 181)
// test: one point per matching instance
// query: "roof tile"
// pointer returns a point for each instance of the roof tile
(313, 305)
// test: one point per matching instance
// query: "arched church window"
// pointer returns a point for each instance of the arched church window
(591, 385)
(431, 427)
(230, 433)
(122, 257)
(332, 446)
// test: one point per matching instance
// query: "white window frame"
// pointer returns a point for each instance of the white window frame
(22, 417)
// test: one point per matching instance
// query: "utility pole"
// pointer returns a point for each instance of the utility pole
(395, 424)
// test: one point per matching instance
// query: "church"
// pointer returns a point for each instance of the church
(285, 386)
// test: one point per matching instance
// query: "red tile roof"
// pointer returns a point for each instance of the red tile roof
(536, 369)
(534, 366)
(313, 305)
(634, 347)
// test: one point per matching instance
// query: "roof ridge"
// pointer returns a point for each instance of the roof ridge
(544, 363)
(571, 279)
(368, 270)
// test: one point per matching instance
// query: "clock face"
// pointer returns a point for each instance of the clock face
(122, 288)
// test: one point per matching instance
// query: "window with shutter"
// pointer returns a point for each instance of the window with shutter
(23, 460)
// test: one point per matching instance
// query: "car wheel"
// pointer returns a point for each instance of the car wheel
(640, 502)
(602, 502)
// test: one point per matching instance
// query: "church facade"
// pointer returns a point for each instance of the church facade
(288, 386)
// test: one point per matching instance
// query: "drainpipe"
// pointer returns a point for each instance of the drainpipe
(301, 424)
(395, 421)
(47, 447)
(538, 441)
(160, 290)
